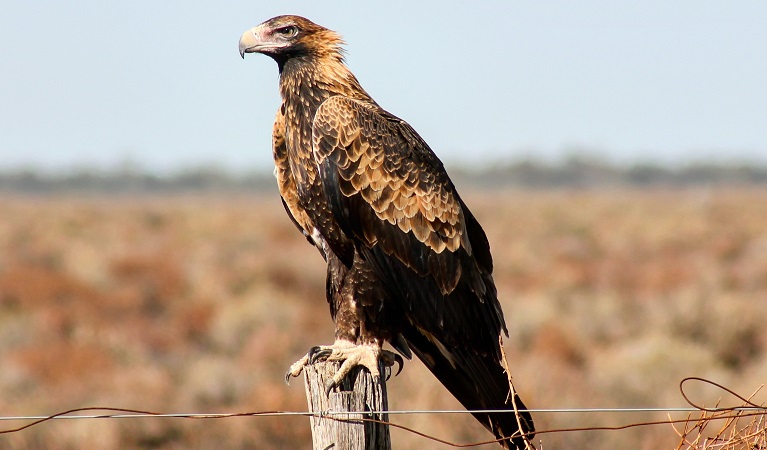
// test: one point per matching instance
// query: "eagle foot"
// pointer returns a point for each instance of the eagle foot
(351, 355)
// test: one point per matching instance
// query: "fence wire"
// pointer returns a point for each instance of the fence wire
(746, 409)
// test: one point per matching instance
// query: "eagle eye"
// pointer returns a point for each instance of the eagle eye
(289, 31)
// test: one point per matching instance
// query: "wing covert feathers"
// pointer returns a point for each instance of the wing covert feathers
(397, 188)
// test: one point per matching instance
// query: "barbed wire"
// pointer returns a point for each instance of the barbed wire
(748, 409)
(142, 415)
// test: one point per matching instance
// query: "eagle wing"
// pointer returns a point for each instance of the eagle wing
(390, 193)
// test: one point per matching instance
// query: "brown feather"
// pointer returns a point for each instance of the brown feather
(407, 261)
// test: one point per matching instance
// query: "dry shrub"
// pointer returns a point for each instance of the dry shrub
(740, 428)
(735, 430)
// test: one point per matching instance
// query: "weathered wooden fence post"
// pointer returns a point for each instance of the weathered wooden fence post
(358, 392)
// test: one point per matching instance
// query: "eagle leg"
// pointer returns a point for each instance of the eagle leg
(351, 355)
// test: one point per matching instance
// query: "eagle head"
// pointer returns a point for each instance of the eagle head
(285, 37)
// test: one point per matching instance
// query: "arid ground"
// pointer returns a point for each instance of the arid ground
(200, 303)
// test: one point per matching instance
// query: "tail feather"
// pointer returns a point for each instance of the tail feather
(478, 382)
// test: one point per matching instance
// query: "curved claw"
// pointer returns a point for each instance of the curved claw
(312, 351)
(400, 363)
(317, 353)
(329, 387)
(287, 378)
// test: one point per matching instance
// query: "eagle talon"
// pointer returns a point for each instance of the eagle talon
(296, 368)
(389, 359)
(389, 364)
(318, 353)
(329, 387)
(400, 364)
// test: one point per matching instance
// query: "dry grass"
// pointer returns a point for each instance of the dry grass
(738, 427)
(724, 430)
(200, 303)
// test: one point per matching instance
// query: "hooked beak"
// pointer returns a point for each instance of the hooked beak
(249, 41)
(256, 40)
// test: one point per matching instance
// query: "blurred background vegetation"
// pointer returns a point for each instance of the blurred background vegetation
(193, 293)
(575, 171)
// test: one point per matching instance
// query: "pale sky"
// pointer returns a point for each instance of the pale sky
(160, 83)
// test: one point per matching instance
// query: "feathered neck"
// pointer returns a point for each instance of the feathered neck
(319, 76)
